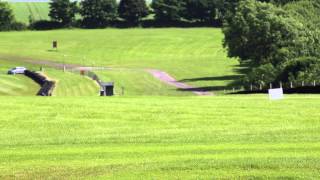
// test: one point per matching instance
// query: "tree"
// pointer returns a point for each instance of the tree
(63, 11)
(201, 10)
(262, 33)
(267, 38)
(98, 13)
(168, 10)
(6, 17)
(133, 10)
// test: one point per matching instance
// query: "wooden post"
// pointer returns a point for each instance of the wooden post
(291, 85)
(314, 83)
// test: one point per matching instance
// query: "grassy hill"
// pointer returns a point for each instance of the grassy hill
(24, 10)
(15, 85)
(18, 85)
(68, 84)
(194, 55)
(138, 82)
(228, 137)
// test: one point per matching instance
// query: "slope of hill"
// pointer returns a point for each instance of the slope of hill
(23, 11)
(15, 85)
(68, 84)
(195, 55)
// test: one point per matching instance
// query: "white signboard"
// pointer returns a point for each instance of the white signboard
(276, 94)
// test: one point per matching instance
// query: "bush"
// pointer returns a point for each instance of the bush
(45, 25)
(104, 13)
(133, 11)
(17, 26)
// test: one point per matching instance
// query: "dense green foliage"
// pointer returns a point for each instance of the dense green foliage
(7, 20)
(63, 11)
(168, 10)
(269, 38)
(229, 137)
(98, 13)
(133, 10)
(102, 13)
(202, 10)
(6, 16)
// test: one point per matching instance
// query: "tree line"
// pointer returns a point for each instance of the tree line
(104, 13)
(127, 13)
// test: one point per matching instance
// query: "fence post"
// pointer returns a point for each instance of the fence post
(291, 85)
(270, 85)
(251, 87)
(314, 83)
(280, 84)
(260, 87)
(302, 84)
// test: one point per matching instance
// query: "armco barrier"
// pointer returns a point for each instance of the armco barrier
(47, 86)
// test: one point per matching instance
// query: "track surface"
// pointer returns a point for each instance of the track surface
(158, 74)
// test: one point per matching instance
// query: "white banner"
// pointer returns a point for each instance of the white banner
(276, 94)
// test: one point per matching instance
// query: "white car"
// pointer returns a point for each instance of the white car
(17, 70)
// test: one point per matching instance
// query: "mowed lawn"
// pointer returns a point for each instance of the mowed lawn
(67, 83)
(195, 55)
(229, 137)
(23, 11)
(137, 82)
(16, 85)
(72, 84)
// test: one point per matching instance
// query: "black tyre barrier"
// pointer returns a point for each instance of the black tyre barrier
(47, 86)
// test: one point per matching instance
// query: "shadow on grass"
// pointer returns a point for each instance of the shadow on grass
(204, 89)
(235, 81)
(217, 78)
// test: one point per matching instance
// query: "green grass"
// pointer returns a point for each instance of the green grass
(16, 85)
(137, 82)
(68, 84)
(195, 54)
(23, 10)
(229, 137)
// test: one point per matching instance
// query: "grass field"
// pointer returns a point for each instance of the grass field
(138, 82)
(229, 137)
(194, 55)
(24, 10)
(15, 85)
(68, 84)
(18, 85)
